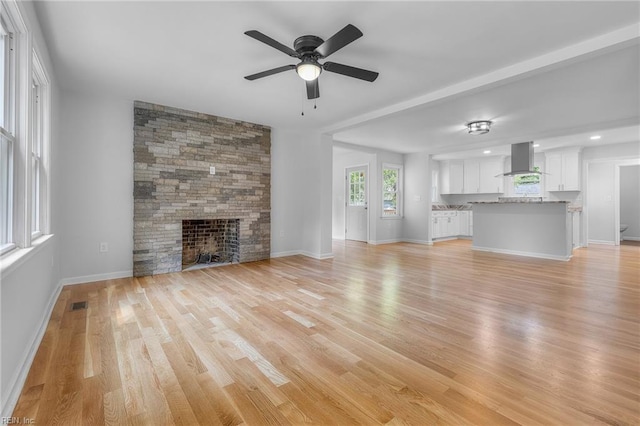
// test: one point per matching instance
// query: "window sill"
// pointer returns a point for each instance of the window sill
(391, 217)
(13, 259)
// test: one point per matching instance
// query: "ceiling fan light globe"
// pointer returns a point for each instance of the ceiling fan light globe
(308, 71)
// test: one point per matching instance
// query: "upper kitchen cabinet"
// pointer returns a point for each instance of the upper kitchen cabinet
(484, 175)
(451, 177)
(491, 179)
(472, 176)
(563, 170)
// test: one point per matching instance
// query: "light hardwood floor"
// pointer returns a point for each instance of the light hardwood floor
(393, 334)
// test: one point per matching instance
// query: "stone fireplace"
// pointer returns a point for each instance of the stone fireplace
(190, 166)
(209, 242)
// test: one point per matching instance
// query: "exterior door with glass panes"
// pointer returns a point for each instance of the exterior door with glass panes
(357, 220)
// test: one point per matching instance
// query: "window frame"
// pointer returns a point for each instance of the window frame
(26, 212)
(398, 192)
(40, 122)
(8, 130)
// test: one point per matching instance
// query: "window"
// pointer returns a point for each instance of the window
(39, 107)
(24, 134)
(391, 184)
(527, 184)
(357, 187)
(7, 135)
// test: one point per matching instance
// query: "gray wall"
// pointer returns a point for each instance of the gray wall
(630, 200)
(600, 188)
(417, 203)
(30, 288)
(381, 230)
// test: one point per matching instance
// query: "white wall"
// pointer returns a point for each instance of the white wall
(380, 230)
(385, 230)
(29, 288)
(417, 203)
(301, 179)
(599, 188)
(600, 194)
(630, 200)
(28, 295)
(95, 187)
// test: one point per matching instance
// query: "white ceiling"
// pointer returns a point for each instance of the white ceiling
(540, 70)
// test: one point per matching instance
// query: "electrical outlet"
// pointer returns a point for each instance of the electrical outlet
(104, 247)
(212, 170)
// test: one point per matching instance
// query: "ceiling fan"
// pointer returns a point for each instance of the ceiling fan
(309, 49)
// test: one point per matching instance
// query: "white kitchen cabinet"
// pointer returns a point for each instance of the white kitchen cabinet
(576, 218)
(451, 177)
(464, 223)
(472, 176)
(451, 225)
(491, 179)
(445, 224)
(436, 227)
(483, 175)
(562, 171)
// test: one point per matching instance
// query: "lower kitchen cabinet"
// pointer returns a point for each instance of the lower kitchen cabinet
(451, 224)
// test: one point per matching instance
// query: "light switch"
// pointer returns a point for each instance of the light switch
(212, 170)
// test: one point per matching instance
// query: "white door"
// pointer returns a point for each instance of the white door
(357, 220)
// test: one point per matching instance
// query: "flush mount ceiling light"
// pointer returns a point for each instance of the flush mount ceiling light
(479, 127)
(308, 69)
(595, 137)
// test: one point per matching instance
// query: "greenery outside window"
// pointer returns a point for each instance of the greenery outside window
(525, 185)
(357, 184)
(391, 194)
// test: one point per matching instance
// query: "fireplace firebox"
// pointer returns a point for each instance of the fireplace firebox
(209, 242)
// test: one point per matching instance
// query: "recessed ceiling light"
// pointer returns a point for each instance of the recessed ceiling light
(486, 152)
(536, 145)
(595, 137)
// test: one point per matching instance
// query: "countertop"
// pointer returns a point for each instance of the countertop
(523, 201)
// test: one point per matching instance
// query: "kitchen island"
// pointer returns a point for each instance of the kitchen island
(527, 228)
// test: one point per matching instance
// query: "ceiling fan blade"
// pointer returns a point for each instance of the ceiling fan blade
(313, 89)
(350, 71)
(271, 42)
(270, 72)
(339, 40)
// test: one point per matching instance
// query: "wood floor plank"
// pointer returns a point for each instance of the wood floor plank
(398, 334)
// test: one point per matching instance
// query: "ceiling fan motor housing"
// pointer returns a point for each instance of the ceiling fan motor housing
(307, 44)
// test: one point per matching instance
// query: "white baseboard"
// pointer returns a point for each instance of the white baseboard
(96, 277)
(524, 253)
(445, 239)
(320, 256)
(378, 242)
(630, 238)
(607, 243)
(303, 253)
(285, 253)
(423, 242)
(17, 381)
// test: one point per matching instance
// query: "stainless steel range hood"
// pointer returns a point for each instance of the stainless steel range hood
(522, 159)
